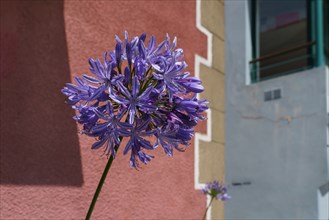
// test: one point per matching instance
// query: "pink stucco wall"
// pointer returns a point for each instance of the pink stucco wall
(48, 171)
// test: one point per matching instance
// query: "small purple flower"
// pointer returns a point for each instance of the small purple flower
(109, 131)
(171, 73)
(87, 117)
(139, 90)
(171, 136)
(76, 93)
(137, 142)
(216, 190)
(134, 99)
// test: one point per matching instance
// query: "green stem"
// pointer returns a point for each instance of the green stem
(205, 213)
(146, 84)
(100, 184)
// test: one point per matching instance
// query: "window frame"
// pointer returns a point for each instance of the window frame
(315, 41)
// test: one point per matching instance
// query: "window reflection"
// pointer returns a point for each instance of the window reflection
(282, 37)
(283, 25)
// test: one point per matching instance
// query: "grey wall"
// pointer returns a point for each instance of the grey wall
(279, 146)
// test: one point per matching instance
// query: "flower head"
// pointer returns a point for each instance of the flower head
(137, 91)
(216, 190)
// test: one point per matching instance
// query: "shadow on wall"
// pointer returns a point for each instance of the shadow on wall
(39, 141)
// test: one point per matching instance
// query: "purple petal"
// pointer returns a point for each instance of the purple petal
(90, 79)
(145, 144)
(97, 93)
(123, 89)
(128, 146)
(146, 93)
(135, 86)
(98, 144)
(142, 37)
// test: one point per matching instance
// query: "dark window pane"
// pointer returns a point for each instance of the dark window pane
(282, 29)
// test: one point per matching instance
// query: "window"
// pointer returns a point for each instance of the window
(326, 29)
(284, 36)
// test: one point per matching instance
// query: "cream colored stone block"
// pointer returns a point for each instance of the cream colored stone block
(212, 16)
(218, 126)
(213, 82)
(211, 161)
(218, 48)
(217, 210)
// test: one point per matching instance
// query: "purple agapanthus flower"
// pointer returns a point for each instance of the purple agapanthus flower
(138, 91)
(216, 190)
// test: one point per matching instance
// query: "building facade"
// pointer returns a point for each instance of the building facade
(276, 80)
(48, 170)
